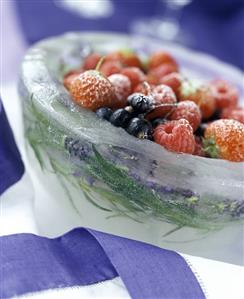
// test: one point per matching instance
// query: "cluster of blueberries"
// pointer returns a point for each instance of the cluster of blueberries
(131, 118)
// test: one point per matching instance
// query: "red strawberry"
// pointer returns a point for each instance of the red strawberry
(173, 80)
(122, 87)
(189, 111)
(160, 57)
(225, 94)
(92, 90)
(236, 113)
(224, 139)
(125, 57)
(144, 88)
(110, 67)
(200, 94)
(91, 61)
(162, 94)
(157, 73)
(70, 76)
(176, 136)
(135, 75)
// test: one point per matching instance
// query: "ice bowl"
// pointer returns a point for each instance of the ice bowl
(116, 182)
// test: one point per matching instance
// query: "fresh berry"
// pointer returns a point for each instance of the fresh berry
(176, 136)
(236, 113)
(140, 128)
(160, 57)
(144, 87)
(120, 118)
(189, 111)
(199, 151)
(157, 73)
(104, 113)
(224, 139)
(122, 88)
(135, 75)
(225, 94)
(110, 67)
(172, 80)
(164, 101)
(140, 102)
(200, 94)
(92, 90)
(91, 61)
(70, 76)
(126, 57)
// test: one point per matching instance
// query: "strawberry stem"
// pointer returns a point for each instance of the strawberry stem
(210, 148)
(99, 64)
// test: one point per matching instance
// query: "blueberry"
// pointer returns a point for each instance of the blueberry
(140, 128)
(104, 113)
(120, 118)
(140, 102)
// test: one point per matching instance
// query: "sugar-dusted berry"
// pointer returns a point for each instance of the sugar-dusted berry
(160, 57)
(224, 139)
(135, 75)
(176, 136)
(122, 88)
(225, 94)
(236, 113)
(189, 111)
(92, 90)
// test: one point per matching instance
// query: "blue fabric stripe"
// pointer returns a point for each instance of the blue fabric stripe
(32, 263)
(81, 257)
(11, 166)
(149, 271)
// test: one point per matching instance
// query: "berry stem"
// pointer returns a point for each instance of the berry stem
(99, 64)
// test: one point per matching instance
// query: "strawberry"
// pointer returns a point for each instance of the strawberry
(91, 61)
(176, 136)
(126, 57)
(225, 94)
(189, 111)
(224, 139)
(160, 57)
(173, 80)
(157, 73)
(92, 90)
(236, 113)
(144, 88)
(122, 87)
(135, 75)
(70, 76)
(110, 67)
(162, 94)
(200, 94)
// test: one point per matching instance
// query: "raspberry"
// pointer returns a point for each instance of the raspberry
(156, 74)
(135, 75)
(189, 111)
(91, 61)
(225, 94)
(224, 139)
(162, 94)
(160, 57)
(173, 80)
(176, 136)
(110, 67)
(70, 76)
(200, 94)
(236, 113)
(91, 90)
(122, 88)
